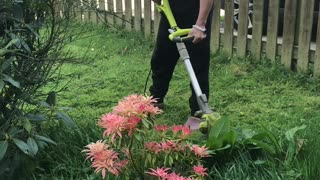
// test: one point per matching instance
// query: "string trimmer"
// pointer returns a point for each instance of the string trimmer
(205, 116)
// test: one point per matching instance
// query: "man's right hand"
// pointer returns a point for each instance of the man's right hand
(157, 1)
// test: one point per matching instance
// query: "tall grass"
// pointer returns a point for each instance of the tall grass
(114, 64)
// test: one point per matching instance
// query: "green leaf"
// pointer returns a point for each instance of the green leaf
(36, 117)
(248, 133)
(51, 99)
(259, 162)
(7, 63)
(214, 143)
(27, 126)
(145, 123)
(3, 148)
(10, 80)
(291, 132)
(13, 131)
(13, 41)
(1, 84)
(44, 104)
(45, 139)
(266, 147)
(33, 146)
(230, 138)
(66, 119)
(22, 145)
(220, 128)
(170, 161)
(223, 148)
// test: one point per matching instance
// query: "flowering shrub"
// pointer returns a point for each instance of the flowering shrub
(133, 146)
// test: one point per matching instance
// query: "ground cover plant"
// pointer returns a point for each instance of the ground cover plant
(254, 96)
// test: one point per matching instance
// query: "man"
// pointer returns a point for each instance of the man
(187, 13)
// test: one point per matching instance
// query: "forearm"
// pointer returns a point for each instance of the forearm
(205, 8)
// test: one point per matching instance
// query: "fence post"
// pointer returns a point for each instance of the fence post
(305, 29)
(215, 27)
(257, 24)
(228, 27)
(137, 15)
(243, 29)
(316, 71)
(272, 35)
(128, 15)
(289, 29)
(147, 18)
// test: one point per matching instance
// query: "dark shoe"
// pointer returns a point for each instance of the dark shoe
(159, 105)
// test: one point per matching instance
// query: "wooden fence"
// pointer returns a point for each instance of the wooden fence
(294, 47)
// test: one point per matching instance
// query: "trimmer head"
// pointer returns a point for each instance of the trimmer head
(193, 123)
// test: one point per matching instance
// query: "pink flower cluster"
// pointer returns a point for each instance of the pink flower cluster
(166, 146)
(171, 146)
(127, 115)
(103, 158)
(163, 173)
(181, 130)
(136, 106)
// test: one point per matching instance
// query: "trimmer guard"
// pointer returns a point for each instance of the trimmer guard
(193, 123)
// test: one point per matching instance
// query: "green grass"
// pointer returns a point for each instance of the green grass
(114, 64)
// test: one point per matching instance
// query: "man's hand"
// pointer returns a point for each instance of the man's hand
(157, 1)
(198, 35)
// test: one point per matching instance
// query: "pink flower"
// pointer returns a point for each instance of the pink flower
(200, 170)
(200, 151)
(161, 128)
(136, 106)
(168, 145)
(153, 147)
(95, 150)
(185, 130)
(104, 159)
(159, 172)
(114, 125)
(176, 128)
(131, 124)
(174, 176)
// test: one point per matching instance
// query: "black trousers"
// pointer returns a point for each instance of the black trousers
(166, 55)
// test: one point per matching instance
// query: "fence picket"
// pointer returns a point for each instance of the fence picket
(128, 15)
(119, 12)
(272, 36)
(79, 11)
(305, 29)
(147, 18)
(316, 71)
(110, 14)
(215, 27)
(228, 27)
(137, 15)
(156, 21)
(257, 23)
(93, 11)
(289, 29)
(242, 28)
(102, 12)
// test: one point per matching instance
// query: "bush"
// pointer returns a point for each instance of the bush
(32, 37)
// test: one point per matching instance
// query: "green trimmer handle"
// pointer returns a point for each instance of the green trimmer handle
(179, 35)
